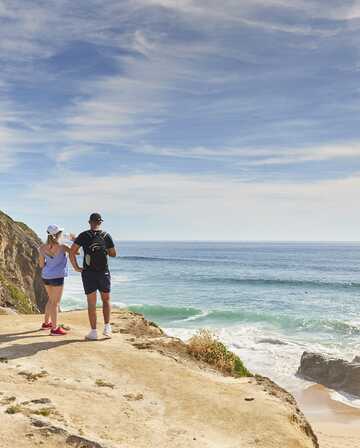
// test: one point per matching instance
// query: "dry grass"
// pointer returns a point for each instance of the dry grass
(14, 409)
(45, 412)
(102, 383)
(33, 376)
(205, 346)
(7, 400)
(134, 397)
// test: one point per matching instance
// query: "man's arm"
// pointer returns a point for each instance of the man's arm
(73, 252)
(111, 252)
(110, 246)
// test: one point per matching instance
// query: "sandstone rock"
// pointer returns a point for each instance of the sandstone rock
(21, 287)
(137, 326)
(167, 404)
(334, 373)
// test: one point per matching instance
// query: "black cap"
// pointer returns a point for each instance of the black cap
(95, 217)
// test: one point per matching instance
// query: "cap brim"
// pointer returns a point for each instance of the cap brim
(60, 229)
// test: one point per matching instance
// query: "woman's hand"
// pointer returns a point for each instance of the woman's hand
(77, 269)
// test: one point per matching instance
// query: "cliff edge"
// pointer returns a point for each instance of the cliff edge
(21, 287)
(139, 389)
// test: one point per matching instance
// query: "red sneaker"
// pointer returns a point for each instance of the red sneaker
(47, 326)
(58, 332)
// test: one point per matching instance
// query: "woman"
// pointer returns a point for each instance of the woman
(53, 260)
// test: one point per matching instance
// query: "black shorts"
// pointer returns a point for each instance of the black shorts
(54, 281)
(96, 281)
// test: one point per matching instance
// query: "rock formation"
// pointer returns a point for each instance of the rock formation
(139, 389)
(334, 373)
(21, 286)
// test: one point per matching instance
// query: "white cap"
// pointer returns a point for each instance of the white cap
(53, 229)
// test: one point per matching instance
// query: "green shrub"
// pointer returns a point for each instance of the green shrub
(19, 300)
(14, 409)
(205, 346)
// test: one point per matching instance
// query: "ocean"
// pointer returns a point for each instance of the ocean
(268, 302)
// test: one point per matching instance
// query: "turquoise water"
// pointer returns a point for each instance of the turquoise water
(267, 301)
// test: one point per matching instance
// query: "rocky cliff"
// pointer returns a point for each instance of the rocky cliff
(21, 287)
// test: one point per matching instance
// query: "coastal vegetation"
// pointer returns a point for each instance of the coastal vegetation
(206, 346)
(17, 298)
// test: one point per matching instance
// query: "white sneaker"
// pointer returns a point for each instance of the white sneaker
(92, 335)
(107, 331)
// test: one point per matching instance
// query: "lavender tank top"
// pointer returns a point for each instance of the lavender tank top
(55, 267)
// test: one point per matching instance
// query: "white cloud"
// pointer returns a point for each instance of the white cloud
(72, 152)
(314, 154)
(179, 206)
(234, 10)
(259, 156)
(127, 107)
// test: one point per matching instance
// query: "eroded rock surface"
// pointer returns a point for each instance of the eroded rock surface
(21, 287)
(110, 394)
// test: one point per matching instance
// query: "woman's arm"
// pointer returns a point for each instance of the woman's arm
(41, 258)
(66, 248)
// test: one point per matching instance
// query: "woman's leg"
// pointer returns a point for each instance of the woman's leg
(56, 294)
(47, 306)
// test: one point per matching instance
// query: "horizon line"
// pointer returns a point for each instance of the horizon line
(234, 241)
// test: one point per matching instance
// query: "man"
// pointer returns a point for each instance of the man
(97, 245)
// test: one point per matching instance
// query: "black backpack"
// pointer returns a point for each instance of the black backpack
(96, 254)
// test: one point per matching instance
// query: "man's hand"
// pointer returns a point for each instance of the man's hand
(111, 252)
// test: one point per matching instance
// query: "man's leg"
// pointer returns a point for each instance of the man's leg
(105, 297)
(91, 298)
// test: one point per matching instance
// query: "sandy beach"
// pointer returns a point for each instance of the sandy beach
(336, 424)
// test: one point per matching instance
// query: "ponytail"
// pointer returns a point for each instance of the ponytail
(53, 239)
(50, 239)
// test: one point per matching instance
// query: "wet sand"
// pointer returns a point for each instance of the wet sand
(337, 425)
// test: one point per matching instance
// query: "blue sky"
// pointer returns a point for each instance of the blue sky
(182, 119)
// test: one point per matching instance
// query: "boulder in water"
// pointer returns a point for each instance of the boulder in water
(337, 374)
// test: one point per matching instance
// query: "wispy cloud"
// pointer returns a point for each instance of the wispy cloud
(315, 154)
(159, 76)
(208, 207)
(198, 94)
(253, 156)
(72, 152)
(240, 9)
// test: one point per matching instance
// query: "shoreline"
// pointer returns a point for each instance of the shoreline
(336, 424)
